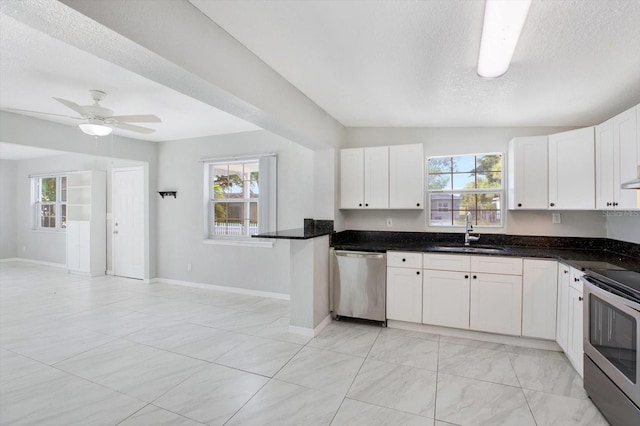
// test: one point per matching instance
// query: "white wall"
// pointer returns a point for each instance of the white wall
(624, 226)
(8, 214)
(181, 220)
(452, 141)
(49, 246)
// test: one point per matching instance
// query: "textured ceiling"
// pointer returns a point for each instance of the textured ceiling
(413, 63)
(35, 67)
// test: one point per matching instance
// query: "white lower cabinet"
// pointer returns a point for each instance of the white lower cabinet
(539, 298)
(404, 294)
(562, 322)
(496, 303)
(446, 298)
(575, 346)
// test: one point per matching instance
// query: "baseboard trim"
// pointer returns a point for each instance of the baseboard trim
(309, 332)
(227, 289)
(528, 342)
(36, 262)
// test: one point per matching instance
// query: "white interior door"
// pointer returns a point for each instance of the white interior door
(128, 222)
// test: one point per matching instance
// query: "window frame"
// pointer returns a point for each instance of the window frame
(267, 169)
(501, 212)
(60, 225)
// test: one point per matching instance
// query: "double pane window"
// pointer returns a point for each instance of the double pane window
(235, 198)
(461, 184)
(50, 202)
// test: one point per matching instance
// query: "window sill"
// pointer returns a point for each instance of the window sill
(244, 242)
(48, 231)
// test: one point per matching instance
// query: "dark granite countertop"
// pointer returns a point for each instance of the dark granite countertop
(312, 229)
(295, 234)
(580, 253)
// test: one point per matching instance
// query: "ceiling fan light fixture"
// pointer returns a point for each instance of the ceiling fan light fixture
(503, 22)
(95, 128)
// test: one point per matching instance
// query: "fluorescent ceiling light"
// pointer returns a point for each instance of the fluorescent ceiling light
(503, 22)
(95, 128)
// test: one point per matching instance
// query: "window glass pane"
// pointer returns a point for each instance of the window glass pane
(63, 188)
(489, 180)
(48, 189)
(489, 209)
(235, 182)
(464, 163)
(439, 181)
(491, 162)
(254, 179)
(464, 181)
(442, 206)
(439, 165)
(460, 218)
(63, 218)
(220, 174)
(253, 218)
(48, 216)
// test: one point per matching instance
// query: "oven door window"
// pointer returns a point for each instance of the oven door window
(613, 334)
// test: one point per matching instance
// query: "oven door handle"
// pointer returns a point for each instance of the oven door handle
(630, 307)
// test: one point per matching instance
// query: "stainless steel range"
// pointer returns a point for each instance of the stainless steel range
(611, 336)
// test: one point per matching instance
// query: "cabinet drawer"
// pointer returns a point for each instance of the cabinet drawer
(401, 259)
(497, 265)
(446, 262)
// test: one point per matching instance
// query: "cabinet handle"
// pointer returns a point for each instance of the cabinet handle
(519, 204)
(615, 204)
(360, 205)
(552, 204)
(366, 205)
(404, 260)
(475, 277)
(565, 271)
(580, 298)
(608, 204)
(418, 205)
(466, 276)
(576, 279)
(417, 272)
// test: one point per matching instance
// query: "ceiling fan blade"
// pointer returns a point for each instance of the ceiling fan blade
(74, 106)
(42, 113)
(132, 128)
(143, 118)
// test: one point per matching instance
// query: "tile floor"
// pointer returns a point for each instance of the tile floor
(112, 351)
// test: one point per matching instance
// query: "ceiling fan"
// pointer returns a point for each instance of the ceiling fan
(97, 120)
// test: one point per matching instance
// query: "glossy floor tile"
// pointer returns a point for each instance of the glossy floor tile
(112, 351)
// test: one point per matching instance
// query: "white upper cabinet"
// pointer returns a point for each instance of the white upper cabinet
(617, 158)
(528, 173)
(572, 170)
(352, 178)
(406, 176)
(376, 177)
(364, 178)
(382, 177)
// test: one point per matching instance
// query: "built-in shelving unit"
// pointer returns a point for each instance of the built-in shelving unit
(86, 222)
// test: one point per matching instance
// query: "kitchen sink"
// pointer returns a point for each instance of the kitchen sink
(470, 249)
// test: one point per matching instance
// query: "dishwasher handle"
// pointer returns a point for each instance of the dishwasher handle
(359, 254)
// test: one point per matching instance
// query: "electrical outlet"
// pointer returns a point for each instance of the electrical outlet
(389, 223)
(556, 218)
(189, 267)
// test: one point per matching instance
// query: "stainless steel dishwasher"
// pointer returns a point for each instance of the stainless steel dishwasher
(358, 285)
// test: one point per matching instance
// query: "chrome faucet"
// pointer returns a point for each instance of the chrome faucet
(467, 235)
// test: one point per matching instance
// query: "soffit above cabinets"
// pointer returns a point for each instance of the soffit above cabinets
(413, 63)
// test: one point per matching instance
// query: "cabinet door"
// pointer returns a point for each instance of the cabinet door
(376, 177)
(528, 173)
(562, 327)
(626, 158)
(572, 170)
(604, 165)
(496, 303)
(72, 235)
(404, 294)
(352, 178)
(445, 298)
(406, 177)
(539, 298)
(575, 346)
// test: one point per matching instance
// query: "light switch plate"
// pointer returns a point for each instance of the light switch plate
(556, 218)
